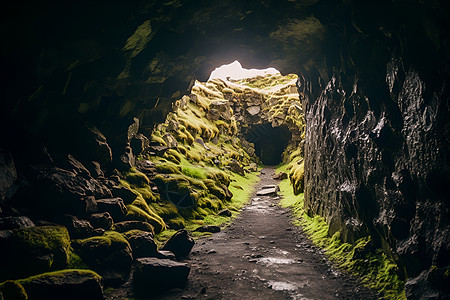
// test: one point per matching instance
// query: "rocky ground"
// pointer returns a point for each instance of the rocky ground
(261, 255)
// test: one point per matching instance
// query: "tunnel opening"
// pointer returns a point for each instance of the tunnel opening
(270, 142)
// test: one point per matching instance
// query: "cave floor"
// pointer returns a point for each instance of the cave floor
(261, 255)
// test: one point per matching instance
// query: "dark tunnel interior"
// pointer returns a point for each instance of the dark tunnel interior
(269, 142)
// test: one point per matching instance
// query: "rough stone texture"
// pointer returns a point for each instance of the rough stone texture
(382, 168)
(101, 220)
(9, 223)
(143, 245)
(159, 274)
(33, 250)
(66, 284)
(130, 225)
(114, 206)
(180, 243)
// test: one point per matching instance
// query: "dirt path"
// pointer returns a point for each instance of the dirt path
(263, 256)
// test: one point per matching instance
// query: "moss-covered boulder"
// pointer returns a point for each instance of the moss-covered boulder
(65, 284)
(33, 250)
(109, 254)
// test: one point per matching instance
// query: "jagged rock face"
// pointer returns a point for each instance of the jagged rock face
(383, 169)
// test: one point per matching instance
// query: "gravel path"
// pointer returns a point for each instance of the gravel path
(263, 256)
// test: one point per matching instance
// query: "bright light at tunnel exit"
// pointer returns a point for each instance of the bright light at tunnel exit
(235, 71)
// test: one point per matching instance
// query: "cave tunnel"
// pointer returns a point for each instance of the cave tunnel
(270, 142)
(84, 85)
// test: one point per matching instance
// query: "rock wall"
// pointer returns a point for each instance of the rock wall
(377, 163)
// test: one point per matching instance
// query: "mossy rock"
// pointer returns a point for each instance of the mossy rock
(136, 178)
(65, 284)
(34, 250)
(296, 176)
(139, 214)
(109, 252)
(173, 156)
(168, 168)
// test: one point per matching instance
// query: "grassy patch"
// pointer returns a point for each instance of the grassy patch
(239, 199)
(373, 267)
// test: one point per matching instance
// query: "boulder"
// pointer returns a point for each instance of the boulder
(127, 195)
(110, 255)
(9, 223)
(225, 212)
(160, 274)
(65, 192)
(114, 206)
(65, 284)
(101, 220)
(180, 243)
(208, 228)
(142, 244)
(130, 225)
(77, 228)
(33, 250)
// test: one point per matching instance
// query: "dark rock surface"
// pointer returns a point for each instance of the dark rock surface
(143, 245)
(8, 223)
(67, 284)
(33, 250)
(158, 274)
(180, 243)
(379, 165)
(208, 228)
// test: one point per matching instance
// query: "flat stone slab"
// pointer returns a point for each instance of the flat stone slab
(270, 186)
(267, 192)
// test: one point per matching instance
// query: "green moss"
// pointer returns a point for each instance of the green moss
(296, 176)
(167, 168)
(132, 232)
(76, 262)
(42, 237)
(375, 269)
(136, 178)
(136, 213)
(173, 156)
(107, 239)
(62, 273)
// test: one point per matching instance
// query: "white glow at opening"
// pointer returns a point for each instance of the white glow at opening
(235, 71)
